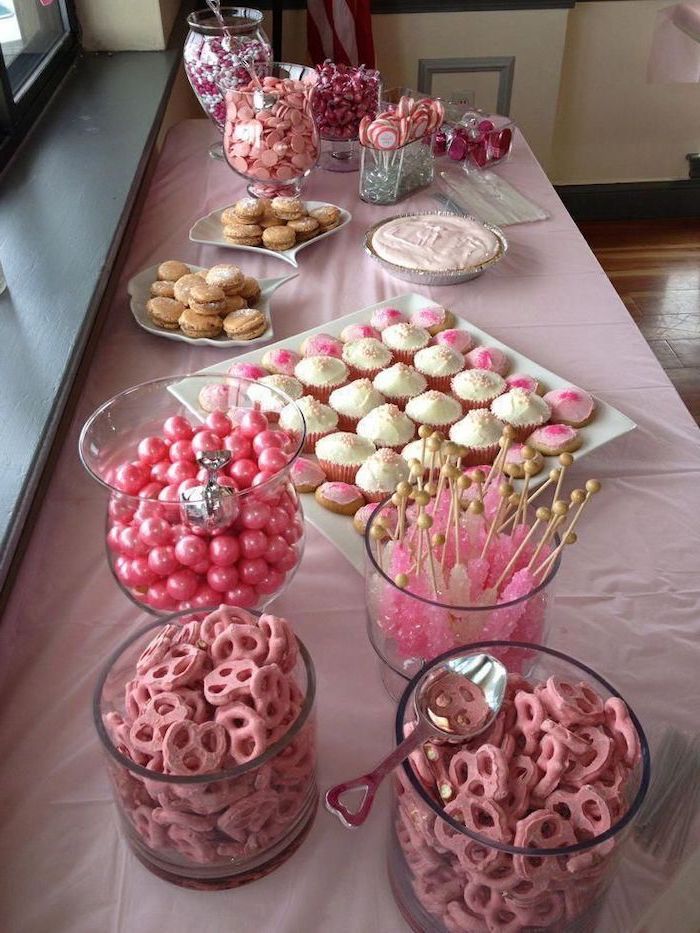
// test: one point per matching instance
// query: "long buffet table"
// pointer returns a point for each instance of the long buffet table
(625, 600)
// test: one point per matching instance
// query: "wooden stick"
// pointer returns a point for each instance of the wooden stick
(553, 477)
(566, 460)
(505, 491)
(541, 515)
(580, 498)
(568, 538)
(497, 465)
(559, 512)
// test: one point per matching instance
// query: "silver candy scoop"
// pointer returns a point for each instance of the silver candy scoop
(454, 703)
(212, 506)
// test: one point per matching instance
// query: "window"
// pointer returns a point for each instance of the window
(37, 43)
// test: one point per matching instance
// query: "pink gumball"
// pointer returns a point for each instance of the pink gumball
(218, 423)
(159, 471)
(142, 573)
(253, 544)
(252, 571)
(151, 450)
(222, 579)
(130, 477)
(113, 542)
(162, 560)
(120, 510)
(186, 484)
(177, 428)
(155, 531)
(206, 440)
(182, 584)
(272, 460)
(270, 583)
(241, 595)
(191, 550)
(262, 477)
(122, 568)
(227, 481)
(239, 445)
(131, 544)
(255, 514)
(252, 423)
(288, 561)
(269, 439)
(182, 450)
(180, 471)
(157, 596)
(205, 596)
(148, 508)
(243, 472)
(127, 575)
(169, 494)
(277, 548)
(293, 533)
(150, 490)
(224, 550)
(202, 567)
(278, 521)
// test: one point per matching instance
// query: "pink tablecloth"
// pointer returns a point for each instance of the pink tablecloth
(626, 598)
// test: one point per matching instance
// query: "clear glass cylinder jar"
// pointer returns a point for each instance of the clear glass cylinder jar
(409, 629)
(389, 175)
(448, 876)
(205, 830)
(170, 545)
(270, 135)
(344, 95)
(214, 52)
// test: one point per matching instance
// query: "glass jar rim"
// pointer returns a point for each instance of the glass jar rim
(486, 841)
(213, 776)
(165, 381)
(436, 603)
(239, 20)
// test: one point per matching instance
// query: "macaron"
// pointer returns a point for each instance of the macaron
(193, 324)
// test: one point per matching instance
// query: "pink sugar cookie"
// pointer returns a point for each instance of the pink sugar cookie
(280, 361)
(247, 371)
(571, 406)
(433, 318)
(554, 439)
(322, 345)
(306, 475)
(523, 381)
(358, 332)
(385, 317)
(490, 358)
(459, 340)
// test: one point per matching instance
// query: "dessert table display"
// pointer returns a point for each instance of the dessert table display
(624, 604)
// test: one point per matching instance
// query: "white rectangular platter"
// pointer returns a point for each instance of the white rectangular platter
(608, 424)
(209, 230)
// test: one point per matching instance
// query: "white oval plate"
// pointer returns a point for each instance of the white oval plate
(139, 289)
(209, 230)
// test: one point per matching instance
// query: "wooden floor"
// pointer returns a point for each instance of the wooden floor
(654, 266)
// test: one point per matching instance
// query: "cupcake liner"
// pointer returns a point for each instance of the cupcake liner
(404, 356)
(373, 495)
(399, 400)
(444, 429)
(441, 383)
(474, 404)
(355, 373)
(346, 423)
(398, 448)
(521, 433)
(339, 472)
(321, 393)
(312, 439)
(478, 456)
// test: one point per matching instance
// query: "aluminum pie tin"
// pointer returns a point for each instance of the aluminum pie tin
(433, 277)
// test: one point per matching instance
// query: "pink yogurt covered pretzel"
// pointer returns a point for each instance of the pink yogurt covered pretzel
(207, 696)
(551, 772)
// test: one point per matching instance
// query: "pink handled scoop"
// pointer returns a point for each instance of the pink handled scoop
(454, 702)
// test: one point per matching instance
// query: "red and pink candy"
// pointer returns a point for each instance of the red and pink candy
(550, 772)
(343, 95)
(478, 140)
(169, 565)
(209, 696)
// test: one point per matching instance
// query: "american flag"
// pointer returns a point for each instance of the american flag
(340, 30)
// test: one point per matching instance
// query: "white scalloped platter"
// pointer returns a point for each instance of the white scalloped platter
(608, 423)
(139, 289)
(209, 230)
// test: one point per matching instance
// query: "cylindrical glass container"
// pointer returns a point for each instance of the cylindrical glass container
(343, 96)
(270, 136)
(455, 866)
(205, 830)
(389, 175)
(214, 52)
(171, 545)
(407, 629)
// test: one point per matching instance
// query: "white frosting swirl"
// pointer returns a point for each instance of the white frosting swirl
(382, 471)
(400, 381)
(477, 429)
(356, 399)
(386, 426)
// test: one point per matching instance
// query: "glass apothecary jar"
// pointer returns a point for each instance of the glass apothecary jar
(210, 795)
(389, 175)
(471, 858)
(215, 51)
(180, 535)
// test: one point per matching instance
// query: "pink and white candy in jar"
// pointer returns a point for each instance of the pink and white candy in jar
(270, 136)
(344, 95)
(201, 506)
(215, 51)
(207, 723)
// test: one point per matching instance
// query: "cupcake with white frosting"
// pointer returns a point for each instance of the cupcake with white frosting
(405, 340)
(387, 426)
(438, 364)
(320, 375)
(479, 431)
(477, 388)
(320, 420)
(524, 411)
(434, 409)
(399, 383)
(269, 402)
(379, 475)
(366, 357)
(353, 401)
(340, 455)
